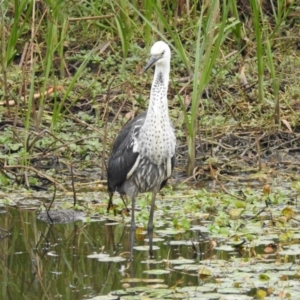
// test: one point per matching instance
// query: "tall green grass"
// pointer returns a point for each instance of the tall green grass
(257, 15)
(170, 31)
(10, 33)
(124, 26)
(211, 33)
(54, 45)
(132, 22)
(20, 23)
(265, 37)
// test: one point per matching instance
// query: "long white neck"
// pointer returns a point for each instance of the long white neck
(159, 90)
(156, 139)
(163, 68)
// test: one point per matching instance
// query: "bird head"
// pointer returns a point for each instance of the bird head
(160, 54)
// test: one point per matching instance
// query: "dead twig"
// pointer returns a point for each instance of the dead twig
(215, 176)
(29, 168)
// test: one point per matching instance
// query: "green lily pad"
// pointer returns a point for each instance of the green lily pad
(156, 239)
(292, 250)
(98, 255)
(187, 243)
(208, 296)
(170, 231)
(112, 259)
(236, 297)
(179, 261)
(202, 289)
(199, 228)
(151, 261)
(225, 248)
(145, 248)
(105, 298)
(187, 268)
(156, 272)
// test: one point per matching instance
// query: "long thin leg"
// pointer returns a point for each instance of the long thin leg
(123, 197)
(132, 228)
(110, 204)
(150, 224)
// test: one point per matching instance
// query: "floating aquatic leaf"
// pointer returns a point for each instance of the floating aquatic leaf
(204, 271)
(28, 203)
(98, 255)
(233, 290)
(151, 261)
(178, 296)
(199, 228)
(235, 213)
(179, 261)
(188, 243)
(156, 239)
(187, 268)
(105, 298)
(296, 236)
(157, 286)
(145, 248)
(160, 293)
(137, 289)
(292, 250)
(286, 236)
(240, 204)
(170, 231)
(264, 277)
(202, 289)
(261, 294)
(288, 212)
(157, 272)
(112, 259)
(208, 296)
(226, 248)
(132, 280)
(236, 297)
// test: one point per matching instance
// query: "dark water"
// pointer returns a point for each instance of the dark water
(61, 261)
(42, 261)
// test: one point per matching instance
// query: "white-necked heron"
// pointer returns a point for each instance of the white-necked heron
(143, 155)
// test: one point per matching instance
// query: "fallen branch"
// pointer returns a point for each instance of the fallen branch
(35, 96)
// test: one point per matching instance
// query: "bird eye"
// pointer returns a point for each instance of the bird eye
(163, 52)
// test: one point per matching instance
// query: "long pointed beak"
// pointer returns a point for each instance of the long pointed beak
(153, 59)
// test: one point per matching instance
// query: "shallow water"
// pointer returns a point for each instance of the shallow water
(42, 261)
(89, 259)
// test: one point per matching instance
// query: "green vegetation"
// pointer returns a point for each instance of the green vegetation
(71, 69)
(208, 245)
(71, 78)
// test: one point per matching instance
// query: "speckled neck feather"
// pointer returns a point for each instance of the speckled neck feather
(157, 139)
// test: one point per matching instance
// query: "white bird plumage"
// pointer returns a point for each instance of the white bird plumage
(143, 155)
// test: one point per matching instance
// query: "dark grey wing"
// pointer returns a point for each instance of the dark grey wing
(122, 156)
